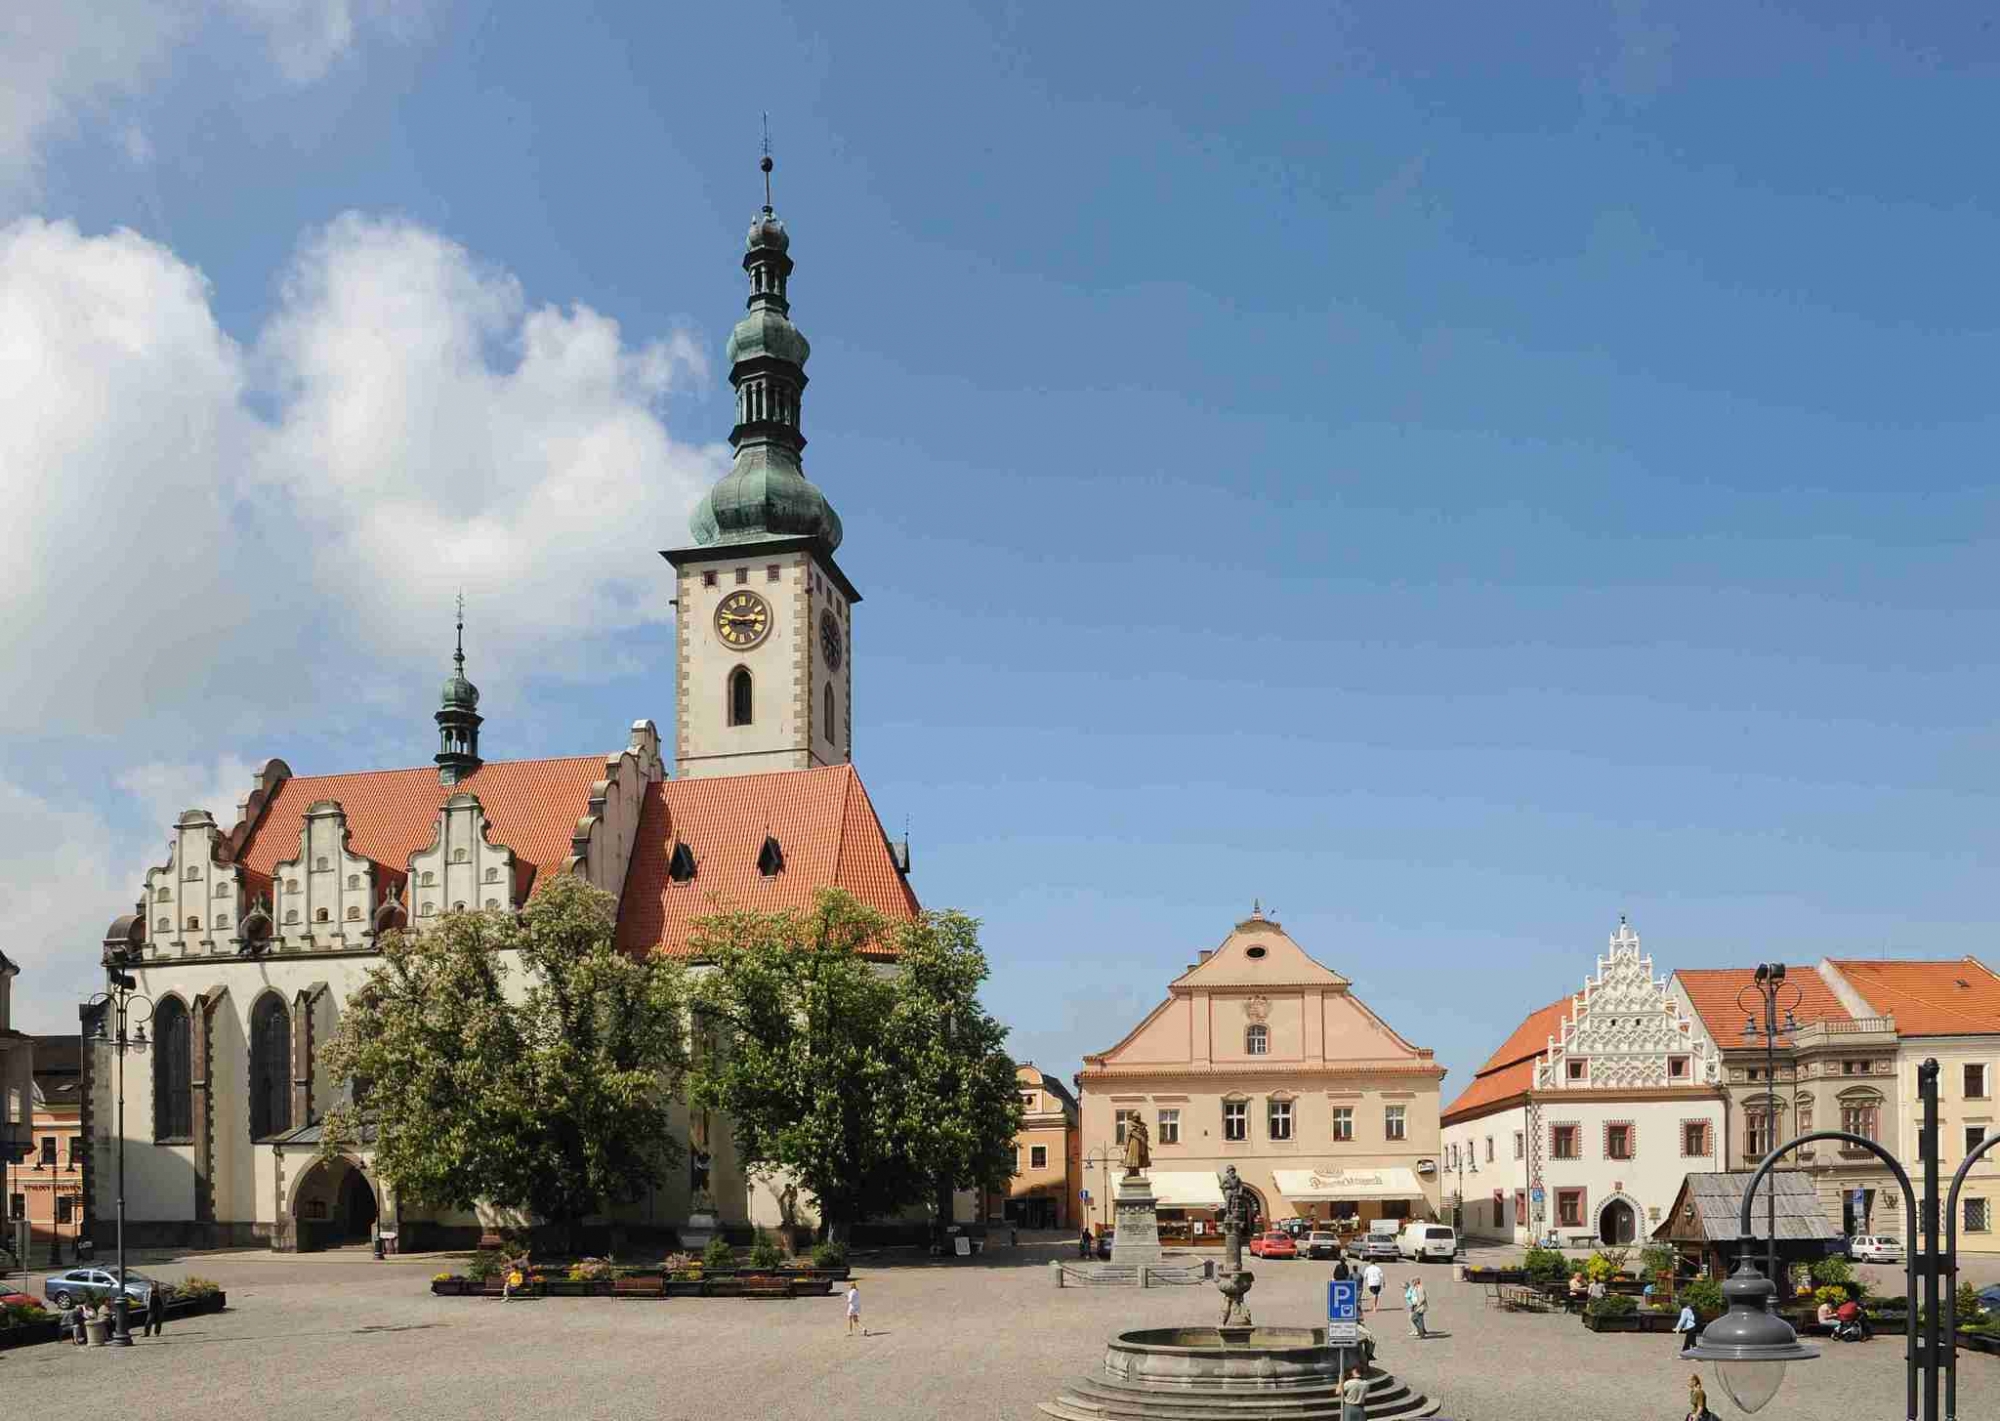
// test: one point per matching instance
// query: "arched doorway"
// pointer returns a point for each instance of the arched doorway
(1618, 1222)
(335, 1204)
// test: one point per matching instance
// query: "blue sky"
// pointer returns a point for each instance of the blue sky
(1455, 473)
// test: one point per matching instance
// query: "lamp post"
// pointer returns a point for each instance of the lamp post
(1770, 989)
(120, 998)
(1751, 1345)
(55, 1192)
(1102, 1157)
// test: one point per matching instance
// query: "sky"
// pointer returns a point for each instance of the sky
(1453, 474)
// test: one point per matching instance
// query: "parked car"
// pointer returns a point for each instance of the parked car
(1103, 1243)
(89, 1285)
(1321, 1244)
(1875, 1248)
(11, 1299)
(1378, 1248)
(1274, 1244)
(1420, 1241)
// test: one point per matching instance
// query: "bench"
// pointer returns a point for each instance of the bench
(1515, 1297)
(653, 1287)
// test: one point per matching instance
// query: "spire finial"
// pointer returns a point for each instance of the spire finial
(766, 165)
(458, 656)
(1256, 907)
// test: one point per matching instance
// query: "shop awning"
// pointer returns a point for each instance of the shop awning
(1190, 1189)
(1305, 1186)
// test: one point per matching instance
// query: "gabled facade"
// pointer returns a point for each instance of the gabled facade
(1585, 1120)
(1262, 1058)
(1048, 1156)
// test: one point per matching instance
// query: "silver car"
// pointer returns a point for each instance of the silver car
(89, 1285)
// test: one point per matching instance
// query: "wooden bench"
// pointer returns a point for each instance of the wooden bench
(653, 1287)
(1516, 1297)
(766, 1288)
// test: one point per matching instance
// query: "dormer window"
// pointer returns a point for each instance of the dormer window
(680, 866)
(1253, 952)
(770, 858)
(1677, 1067)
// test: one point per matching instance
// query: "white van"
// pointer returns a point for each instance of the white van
(1421, 1241)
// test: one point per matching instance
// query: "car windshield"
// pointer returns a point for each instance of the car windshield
(1888, 1243)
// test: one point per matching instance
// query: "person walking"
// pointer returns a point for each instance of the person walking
(854, 1308)
(1083, 1243)
(1341, 1271)
(1697, 1399)
(1354, 1396)
(1371, 1279)
(1420, 1305)
(156, 1311)
(1685, 1326)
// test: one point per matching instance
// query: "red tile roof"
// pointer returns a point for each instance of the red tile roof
(1952, 998)
(1490, 1086)
(1511, 1069)
(1531, 1037)
(1715, 990)
(822, 819)
(532, 805)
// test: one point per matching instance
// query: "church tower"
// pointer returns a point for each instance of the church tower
(458, 717)
(763, 641)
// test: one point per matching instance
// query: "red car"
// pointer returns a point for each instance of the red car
(11, 1299)
(1275, 1244)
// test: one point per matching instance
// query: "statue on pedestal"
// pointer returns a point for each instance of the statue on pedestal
(1234, 1281)
(1138, 1147)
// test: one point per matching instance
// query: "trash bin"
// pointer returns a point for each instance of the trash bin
(97, 1331)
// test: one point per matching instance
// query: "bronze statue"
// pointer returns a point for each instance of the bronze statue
(1138, 1147)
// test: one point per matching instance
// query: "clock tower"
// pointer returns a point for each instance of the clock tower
(764, 633)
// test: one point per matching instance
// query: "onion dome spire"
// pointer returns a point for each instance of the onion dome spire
(458, 716)
(765, 493)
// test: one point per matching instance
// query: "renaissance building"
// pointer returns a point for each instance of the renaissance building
(251, 934)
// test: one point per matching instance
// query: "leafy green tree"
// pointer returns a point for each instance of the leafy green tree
(552, 1098)
(871, 1084)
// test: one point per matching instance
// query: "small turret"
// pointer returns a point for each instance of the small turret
(458, 717)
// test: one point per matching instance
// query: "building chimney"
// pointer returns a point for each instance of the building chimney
(1206, 953)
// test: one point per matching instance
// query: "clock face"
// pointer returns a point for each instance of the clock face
(830, 639)
(742, 620)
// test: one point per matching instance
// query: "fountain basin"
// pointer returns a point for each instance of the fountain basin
(1270, 1358)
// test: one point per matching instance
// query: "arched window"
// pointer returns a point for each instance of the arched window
(1257, 1039)
(270, 1067)
(739, 696)
(832, 735)
(173, 1072)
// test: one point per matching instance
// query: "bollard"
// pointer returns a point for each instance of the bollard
(1057, 1268)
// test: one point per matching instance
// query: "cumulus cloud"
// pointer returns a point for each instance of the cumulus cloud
(407, 424)
(64, 880)
(165, 789)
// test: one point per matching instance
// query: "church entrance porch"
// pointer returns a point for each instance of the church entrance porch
(335, 1205)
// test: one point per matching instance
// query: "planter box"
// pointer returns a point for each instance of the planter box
(685, 1288)
(1631, 1322)
(26, 1334)
(450, 1287)
(639, 1287)
(1496, 1275)
(813, 1287)
(1980, 1342)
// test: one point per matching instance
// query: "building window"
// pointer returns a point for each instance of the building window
(742, 575)
(353, 880)
(1694, 1139)
(1757, 1132)
(353, 912)
(1257, 1039)
(222, 889)
(1235, 1119)
(291, 915)
(492, 875)
(1343, 1122)
(173, 1072)
(1564, 1142)
(1975, 1136)
(48, 1158)
(222, 920)
(740, 696)
(1017, 1159)
(1978, 1216)
(320, 863)
(65, 1208)
(319, 915)
(771, 572)
(827, 698)
(1394, 1119)
(1038, 1157)
(1618, 1141)
(1677, 1068)
(708, 578)
(1520, 1143)
(1975, 1082)
(1118, 1128)
(194, 923)
(1569, 1208)
(164, 925)
(429, 878)
(162, 896)
(1858, 1118)
(270, 1068)
(1170, 1127)
(1280, 1118)
(17, 1206)
(1576, 1070)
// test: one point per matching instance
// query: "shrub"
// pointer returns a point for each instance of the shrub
(1968, 1308)
(590, 1270)
(1546, 1265)
(1830, 1293)
(196, 1287)
(677, 1263)
(485, 1264)
(14, 1315)
(764, 1251)
(1599, 1267)
(1614, 1305)
(831, 1254)
(1655, 1259)
(1832, 1271)
(1704, 1295)
(718, 1255)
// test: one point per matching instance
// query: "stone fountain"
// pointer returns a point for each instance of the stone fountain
(1233, 1370)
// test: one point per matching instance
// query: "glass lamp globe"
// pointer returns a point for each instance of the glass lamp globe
(1750, 1384)
(1750, 1345)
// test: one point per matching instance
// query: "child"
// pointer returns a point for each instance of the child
(854, 1308)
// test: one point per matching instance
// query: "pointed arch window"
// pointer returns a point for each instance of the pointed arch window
(740, 699)
(270, 1067)
(832, 735)
(173, 1072)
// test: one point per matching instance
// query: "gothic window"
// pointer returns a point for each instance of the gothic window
(270, 1067)
(1257, 1039)
(739, 696)
(173, 1072)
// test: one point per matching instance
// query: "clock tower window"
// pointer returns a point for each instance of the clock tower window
(740, 698)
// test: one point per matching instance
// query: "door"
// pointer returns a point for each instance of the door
(1617, 1224)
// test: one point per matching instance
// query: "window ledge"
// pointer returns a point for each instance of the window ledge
(174, 1140)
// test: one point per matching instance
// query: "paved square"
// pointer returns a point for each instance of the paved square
(341, 1334)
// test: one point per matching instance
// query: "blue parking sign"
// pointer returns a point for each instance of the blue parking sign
(1343, 1309)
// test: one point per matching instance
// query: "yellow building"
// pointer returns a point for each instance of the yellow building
(1047, 1158)
(1262, 1058)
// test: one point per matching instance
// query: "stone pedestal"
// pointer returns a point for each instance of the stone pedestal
(701, 1226)
(1135, 1223)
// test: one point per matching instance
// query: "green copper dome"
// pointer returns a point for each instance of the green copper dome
(459, 693)
(768, 332)
(763, 498)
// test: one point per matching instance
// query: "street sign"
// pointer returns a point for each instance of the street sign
(1086, 1195)
(1343, 1311)
(1535, 1195)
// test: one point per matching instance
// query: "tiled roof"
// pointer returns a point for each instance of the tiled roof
(1489, 1086)
(1714, 992)
(1511, 1069)
(1952, 998)
(532, 806)
(1530, 1038)
(823, 822)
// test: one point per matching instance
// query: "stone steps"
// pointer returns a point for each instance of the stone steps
(1100, 1399)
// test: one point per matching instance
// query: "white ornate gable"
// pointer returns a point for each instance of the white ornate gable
(325, 897)
(462, 870)
(1626, 1029)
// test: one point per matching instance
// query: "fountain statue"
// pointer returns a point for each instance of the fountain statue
(1234, 1280)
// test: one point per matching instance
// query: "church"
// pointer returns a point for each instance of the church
(252, 935)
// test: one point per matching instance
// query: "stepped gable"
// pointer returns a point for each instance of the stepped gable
(821, 819)
(532, 806)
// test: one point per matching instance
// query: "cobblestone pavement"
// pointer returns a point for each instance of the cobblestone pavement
(341, 1334)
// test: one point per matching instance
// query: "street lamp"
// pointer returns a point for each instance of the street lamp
(1770, 989)
(130, 1036)
(1751, 1345)
(55, 1193)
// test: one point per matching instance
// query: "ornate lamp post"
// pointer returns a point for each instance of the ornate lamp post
(132, 1010)
(1751, 1345)
(1771, 991)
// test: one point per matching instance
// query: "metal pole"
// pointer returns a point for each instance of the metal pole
(1771, 1084)
(124, 1332)
(1927, 1089)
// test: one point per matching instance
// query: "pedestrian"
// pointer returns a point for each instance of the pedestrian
(1596, 1290)
(1354, 1396)
(1371, 1279)
(1083, 1243)
(1697, 1399)
(1685, 1326)
(1420, 1305)
(854, 1308)
(156, 1311)
(1341, 1271)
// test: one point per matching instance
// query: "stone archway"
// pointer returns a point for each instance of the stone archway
(1618, 1222)
(335, 1204)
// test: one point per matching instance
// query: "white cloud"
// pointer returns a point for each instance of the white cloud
(164, 789)
(308, 36)
(62, 883)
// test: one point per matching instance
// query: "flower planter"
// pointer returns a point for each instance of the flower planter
(23, 1334)
(448, 1287)
(685, 1288)
(192, 1307)
(1980, 1342)
(1496, 1275)
(813, 1287)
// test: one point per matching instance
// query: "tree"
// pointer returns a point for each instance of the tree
(553, 1098)
(870, 1084)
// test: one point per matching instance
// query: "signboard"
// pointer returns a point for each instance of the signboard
(962, 1246)
(1086, 1195)
(1535, 1194)
(1343, 1312)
